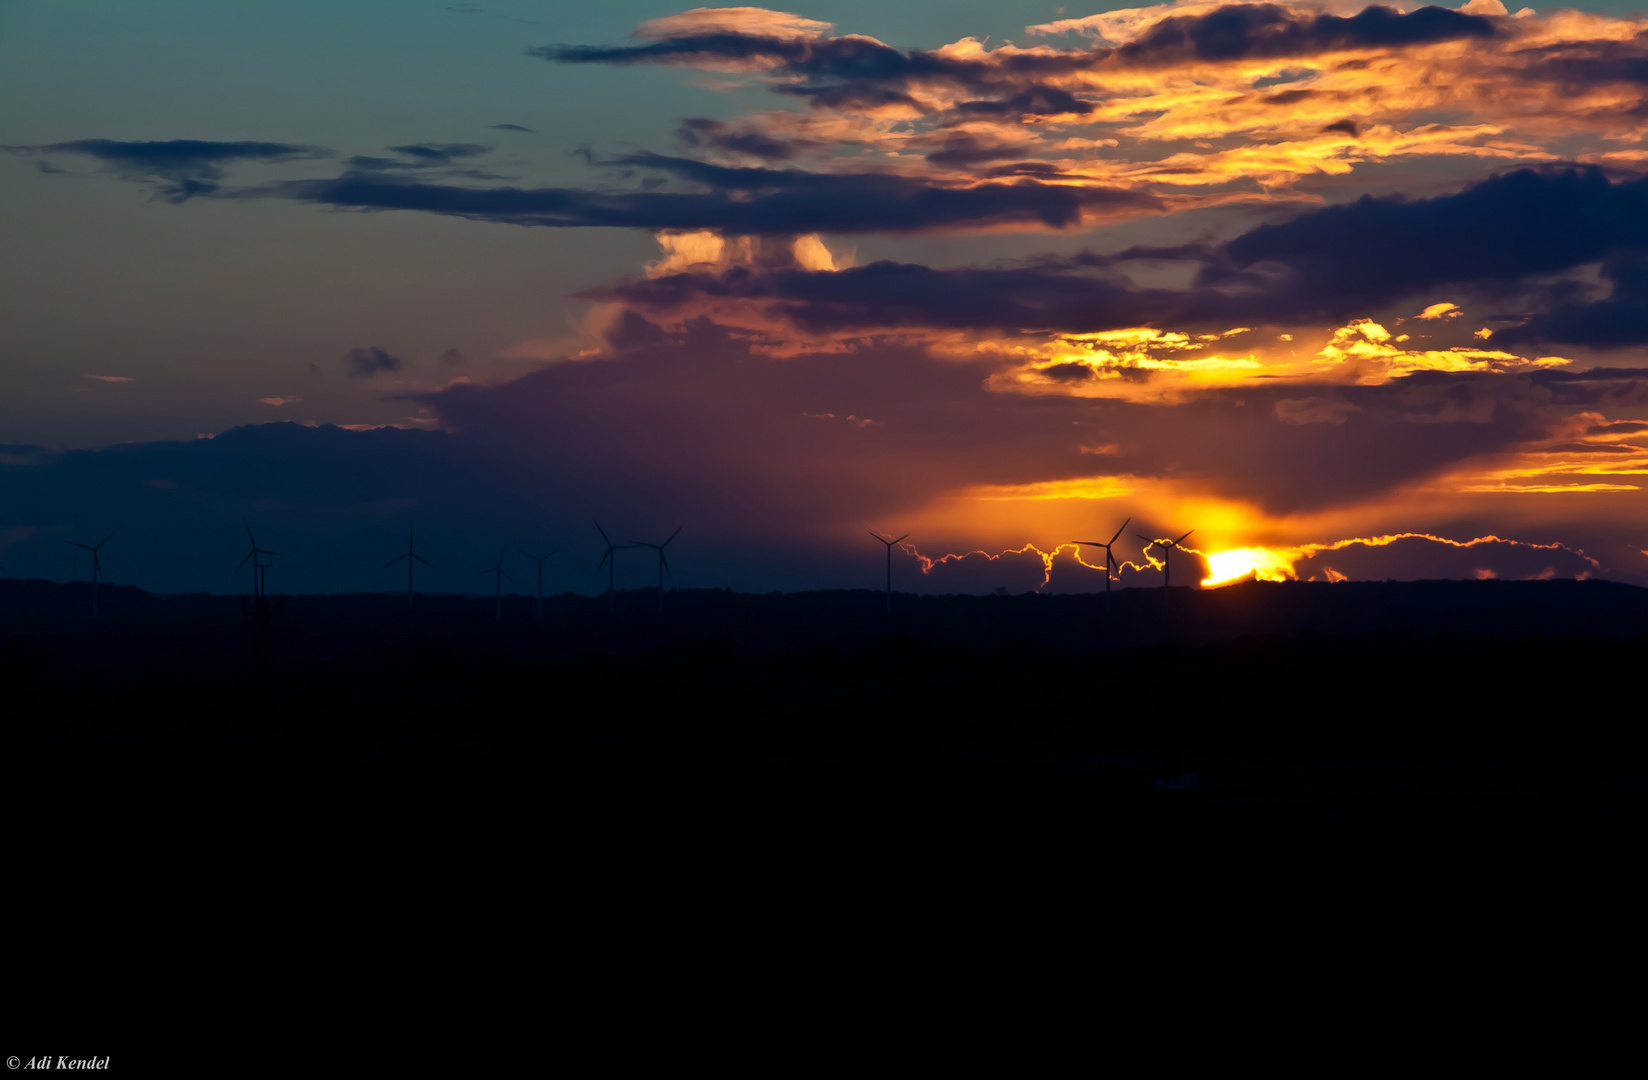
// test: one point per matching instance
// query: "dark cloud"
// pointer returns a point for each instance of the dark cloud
(1252, 31)
(1031, 101)
(700, 132)
(441, 153)
(1504, 228)
(452, 356)
(861, 71)
(960, 151)
(1621, 319)
(849, 58)
(739, 200)
(179, 168)
(1511, 227)
(1581, 65)
(858, 94)
(370, 362)
(421, 156)
(1618, 427)
(1330, 264)
(888, 294)
(510, 127)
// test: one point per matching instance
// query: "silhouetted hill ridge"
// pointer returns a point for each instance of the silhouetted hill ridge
(135, 623)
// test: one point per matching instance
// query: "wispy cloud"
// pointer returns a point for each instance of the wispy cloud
(179, 169)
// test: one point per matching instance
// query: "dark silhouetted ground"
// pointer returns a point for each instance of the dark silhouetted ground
(1481, 710)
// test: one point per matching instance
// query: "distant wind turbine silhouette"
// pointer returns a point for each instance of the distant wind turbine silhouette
(1167, 547)
(260, 569)
(889, 544)
(97, 564)
(663, 563)
(1109, 559)
(411, 557)
(498, 574)
(610, 561)
(262, 608)
(539, 559)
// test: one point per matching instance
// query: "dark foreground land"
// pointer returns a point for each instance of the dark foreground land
(744, 733)
(759, 810)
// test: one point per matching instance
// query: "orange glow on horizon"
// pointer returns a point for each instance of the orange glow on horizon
(1232, 565)
(1238, 564)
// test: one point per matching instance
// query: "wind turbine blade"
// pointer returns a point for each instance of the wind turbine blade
(673, 535)
(604, 558)
(244, 561)
(878, 536)
(425, 561)
(901, 539)
(282, 554)
(507, 578)
(1146, 539)
(397, 559)
(553, 553)
(249, 535)
(488, 570)
(73, 543)
(1180, 540)
(603, 533)
(107, 538)
(1119, 531)
(1089, 543)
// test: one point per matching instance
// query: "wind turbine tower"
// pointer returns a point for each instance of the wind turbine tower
(539, 559)
(1167, 547)
(262, 607)
(663, 563)
(498, 574)
(1109, 560)
(97, 564)
(610, 561)
(411, 557)
(890, 544)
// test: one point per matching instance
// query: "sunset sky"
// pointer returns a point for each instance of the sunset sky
(1353, 292)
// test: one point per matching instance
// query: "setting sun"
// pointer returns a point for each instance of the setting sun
(1225, 567)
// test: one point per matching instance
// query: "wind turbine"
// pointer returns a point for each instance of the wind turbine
(1167, 547)
(663, 563)
(610, 561)
(97, 564)
(498, 574)
(260, 576)
(262, 609)
(539, 559)
(411, 557)
(1109, 559)
(889, 544)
